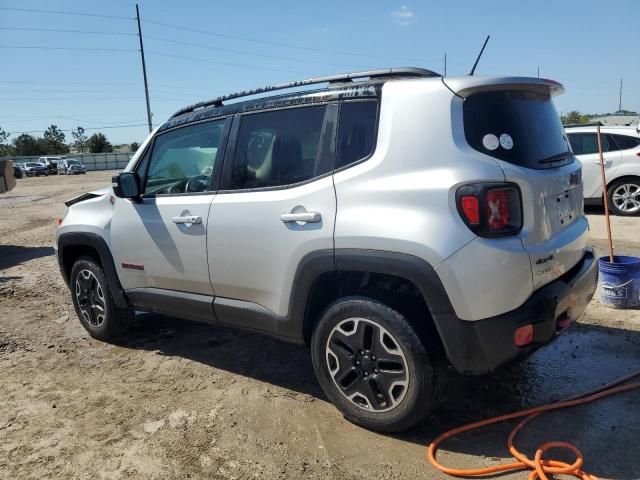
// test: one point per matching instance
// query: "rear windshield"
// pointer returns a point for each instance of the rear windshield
(518, 127)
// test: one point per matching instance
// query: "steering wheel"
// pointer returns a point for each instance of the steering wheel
(199, 183)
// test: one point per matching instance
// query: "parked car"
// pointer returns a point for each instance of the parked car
(395, 225)
(70, 166)
(51, 163)
(621, 154)
(35, 169)
(18, 171)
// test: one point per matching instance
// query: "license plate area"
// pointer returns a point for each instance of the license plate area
(564, 209)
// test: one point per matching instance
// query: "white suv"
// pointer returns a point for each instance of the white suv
(394, 224)
(621, 153)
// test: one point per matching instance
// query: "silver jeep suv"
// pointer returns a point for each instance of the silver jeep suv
(395, 221)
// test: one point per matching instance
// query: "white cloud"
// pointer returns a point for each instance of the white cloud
(402, 17)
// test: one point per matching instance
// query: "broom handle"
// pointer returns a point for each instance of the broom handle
(606, 198)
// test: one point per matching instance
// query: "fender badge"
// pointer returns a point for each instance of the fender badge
(133, 266)
(540, 261)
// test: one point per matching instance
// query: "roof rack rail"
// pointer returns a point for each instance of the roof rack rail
(347, 77)
(592, 124)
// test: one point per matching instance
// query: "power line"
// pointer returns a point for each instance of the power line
(58, 30)
(239, 65)
(242, 52)
(87, 128)
(61, 12)
(69, 98)
(69, 115)
(278, 44)
(39, 47)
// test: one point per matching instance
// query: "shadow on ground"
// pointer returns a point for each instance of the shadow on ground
(584, 358)
(594, 209)
(11, 255)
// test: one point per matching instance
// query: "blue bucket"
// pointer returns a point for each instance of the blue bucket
(620, 281)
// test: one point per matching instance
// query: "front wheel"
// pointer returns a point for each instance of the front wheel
(93, 302)
(624, 196)
(372, 365)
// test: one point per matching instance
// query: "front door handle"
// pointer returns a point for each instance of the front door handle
(307, 217)
(187, 220)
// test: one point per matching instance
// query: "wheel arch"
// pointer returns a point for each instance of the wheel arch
(622, 177)
(325, 285)
(73, 245)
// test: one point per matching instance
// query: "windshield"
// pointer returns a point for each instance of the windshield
(73, 162)
(31, 164)
(518, 127)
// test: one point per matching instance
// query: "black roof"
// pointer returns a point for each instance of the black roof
(339, 87)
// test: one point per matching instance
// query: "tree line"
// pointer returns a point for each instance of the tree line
(575, 117)
(54, 142)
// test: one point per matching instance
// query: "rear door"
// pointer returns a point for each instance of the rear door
(585, 147)
(276, 204)
(521, 129)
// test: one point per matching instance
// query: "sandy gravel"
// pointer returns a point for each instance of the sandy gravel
(176, 400)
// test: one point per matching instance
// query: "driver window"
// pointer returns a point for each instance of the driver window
(183, 160)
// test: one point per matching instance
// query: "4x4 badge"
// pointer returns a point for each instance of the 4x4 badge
(540, 261)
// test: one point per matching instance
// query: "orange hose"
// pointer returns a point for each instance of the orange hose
(539, 467)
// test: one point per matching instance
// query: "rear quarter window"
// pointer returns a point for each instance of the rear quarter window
(356, 131)
(626, 142)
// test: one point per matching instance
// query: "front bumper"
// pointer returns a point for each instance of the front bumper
(481, 346)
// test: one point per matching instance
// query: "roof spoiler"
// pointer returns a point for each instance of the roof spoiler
(465, 86)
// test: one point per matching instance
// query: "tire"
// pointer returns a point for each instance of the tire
(94, 303)
(384, 377)
(624, 196)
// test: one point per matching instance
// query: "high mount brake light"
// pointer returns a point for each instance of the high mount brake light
(491, 209)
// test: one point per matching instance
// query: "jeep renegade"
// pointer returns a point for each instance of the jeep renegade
(394, 221)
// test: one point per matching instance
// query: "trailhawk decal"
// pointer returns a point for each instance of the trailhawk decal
(133, 266)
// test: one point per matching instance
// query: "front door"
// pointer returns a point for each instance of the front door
(585, 147)
(159, 242)
(276, 204)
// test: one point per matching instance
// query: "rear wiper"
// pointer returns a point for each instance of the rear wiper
(557, 157)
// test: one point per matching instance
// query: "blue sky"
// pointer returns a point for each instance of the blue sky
(587, 45)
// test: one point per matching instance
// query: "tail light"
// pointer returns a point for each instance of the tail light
(491, 209)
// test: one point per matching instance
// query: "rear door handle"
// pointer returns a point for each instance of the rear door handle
(189, 219)
(308, 217)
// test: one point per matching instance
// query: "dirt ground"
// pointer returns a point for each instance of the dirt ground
(176, 399)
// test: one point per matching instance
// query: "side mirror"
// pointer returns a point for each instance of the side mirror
(128, 185)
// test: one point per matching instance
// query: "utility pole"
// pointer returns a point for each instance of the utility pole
(445, 64)
(620, 97)
(538, 71)
(144, 70)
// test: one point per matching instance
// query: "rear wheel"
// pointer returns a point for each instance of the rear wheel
(624, 196)
(93, 302)
(372, 365)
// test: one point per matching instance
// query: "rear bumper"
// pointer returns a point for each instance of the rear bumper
(481, 346)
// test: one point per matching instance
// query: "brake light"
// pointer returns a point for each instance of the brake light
(471, 209)
(491, 209)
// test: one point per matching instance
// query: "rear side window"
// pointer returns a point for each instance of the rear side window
(587, 143)
(626, 142)
(519, 127)
(356, 131)
(278, 148)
